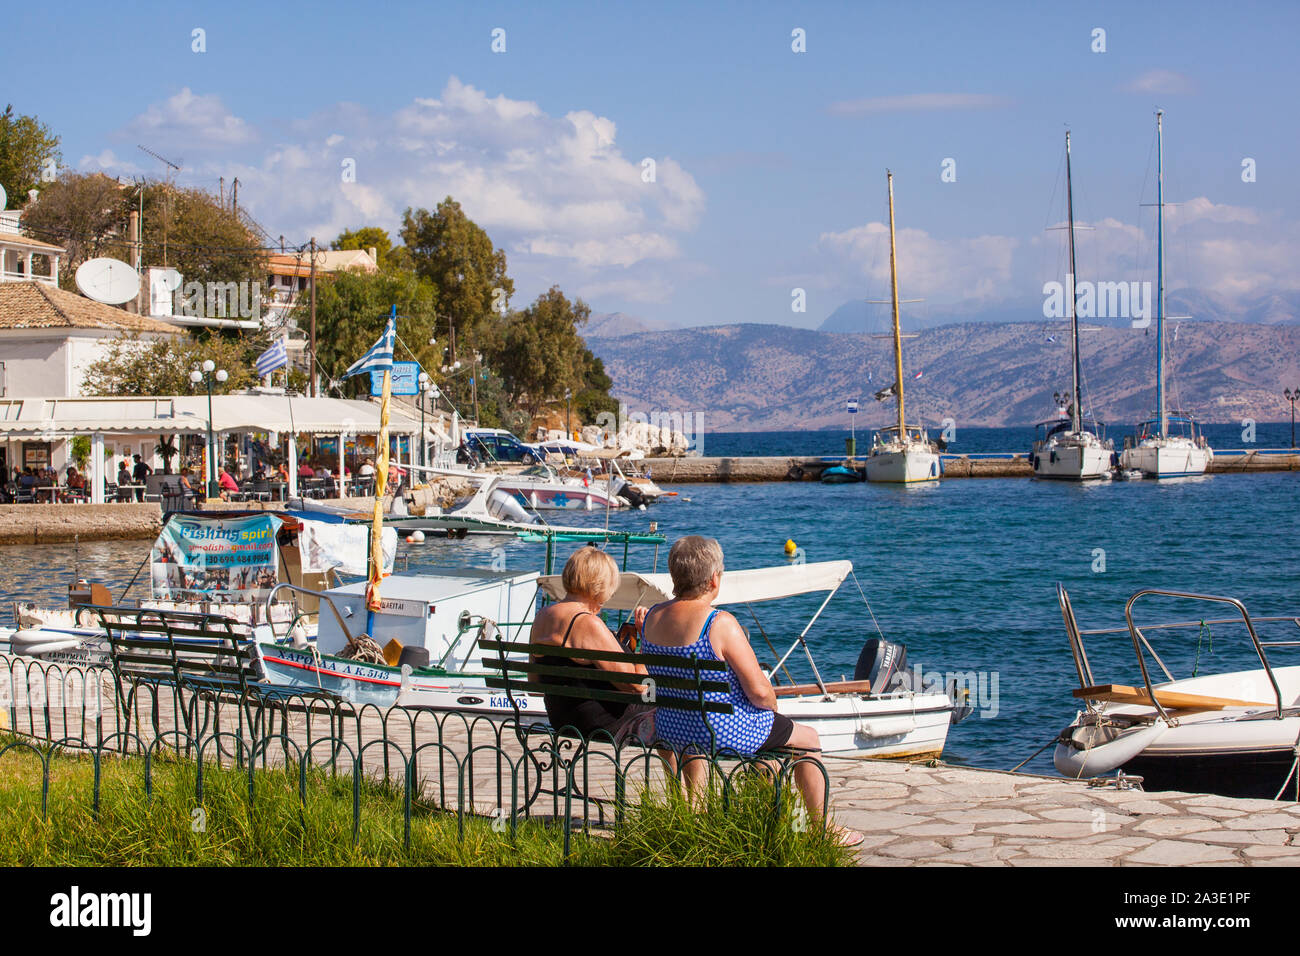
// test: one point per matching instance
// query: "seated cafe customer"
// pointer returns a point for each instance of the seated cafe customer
(226, 484)
(590, 578)
(689, 624)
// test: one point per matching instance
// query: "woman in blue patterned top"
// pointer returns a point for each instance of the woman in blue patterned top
(689, 624)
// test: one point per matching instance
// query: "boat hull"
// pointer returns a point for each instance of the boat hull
(1174, 458)
(1071, 462)
(903, 467)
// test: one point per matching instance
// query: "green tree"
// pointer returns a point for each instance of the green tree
(593, 396)
(27, 149)
(351, 311)
(86, 213)
(457, 256)
(541, 353)
(191, 231)
(365, 238)
(133, 366)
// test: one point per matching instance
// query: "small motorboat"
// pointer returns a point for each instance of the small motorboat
(842, 475)
(1235, 734)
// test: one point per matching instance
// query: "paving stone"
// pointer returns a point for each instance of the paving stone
(1266, 852)
(1151, 807)
(914, 849)
(1179, 853)
(1076, 814)
(972, 842)
(1173, 826)
(987, 815)
(1045, 830)
(1231, 803)
(939, 829)
(1273, 837)
(1063, 850)
(1262, 821)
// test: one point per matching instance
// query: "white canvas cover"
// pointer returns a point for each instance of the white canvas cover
(738, 587)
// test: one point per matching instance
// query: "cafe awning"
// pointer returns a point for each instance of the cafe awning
(48, 419)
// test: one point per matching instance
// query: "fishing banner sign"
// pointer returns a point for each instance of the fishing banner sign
(223, 561)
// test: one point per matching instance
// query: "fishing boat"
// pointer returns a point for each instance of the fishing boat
(900, 453)
(881, 712)
(1235, 733)
(1169, 444)
(1072, 448)
(223, 563)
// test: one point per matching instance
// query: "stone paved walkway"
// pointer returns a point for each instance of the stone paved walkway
(915, 815)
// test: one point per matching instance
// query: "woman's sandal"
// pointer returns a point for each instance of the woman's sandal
(845, 837)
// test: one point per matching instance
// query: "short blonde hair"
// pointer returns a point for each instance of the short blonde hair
(590, 573)
(692, 563)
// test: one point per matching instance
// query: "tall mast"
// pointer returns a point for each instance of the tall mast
(898, 335)
(1160, 275)
(1077, 405)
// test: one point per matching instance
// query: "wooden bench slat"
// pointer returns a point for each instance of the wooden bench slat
(620, 697)
(604, 676)
(551, 650)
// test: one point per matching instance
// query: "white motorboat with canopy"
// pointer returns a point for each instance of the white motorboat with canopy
(876, 714)
(1235, 733)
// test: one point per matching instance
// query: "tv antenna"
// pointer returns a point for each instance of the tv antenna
(171, 168)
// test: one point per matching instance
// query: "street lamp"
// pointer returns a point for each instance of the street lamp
(1292, 397)
(206, 376)
(427, 391)
(568, 413)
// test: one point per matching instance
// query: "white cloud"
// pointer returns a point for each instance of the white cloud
(187, 120)
(1161, 81)
(977, 269)
(555, 191)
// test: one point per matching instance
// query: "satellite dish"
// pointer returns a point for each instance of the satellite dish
(110, 281)
(4, 197)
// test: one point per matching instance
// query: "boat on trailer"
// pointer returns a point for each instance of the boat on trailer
(876, 714)
(1235, 734)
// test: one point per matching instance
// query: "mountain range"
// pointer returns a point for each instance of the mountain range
(758, 377)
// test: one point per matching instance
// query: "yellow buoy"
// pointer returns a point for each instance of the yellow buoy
(790, 546)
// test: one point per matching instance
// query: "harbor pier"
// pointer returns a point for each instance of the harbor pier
(982, 465)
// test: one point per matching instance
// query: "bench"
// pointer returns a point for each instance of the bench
(195, 652)
(537, 663)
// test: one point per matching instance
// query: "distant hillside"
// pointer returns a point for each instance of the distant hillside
(762, 377)
(604, 325)
(856, 315)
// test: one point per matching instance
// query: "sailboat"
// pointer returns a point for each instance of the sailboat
(1168, 445)
(899, 453)
(1070, 447)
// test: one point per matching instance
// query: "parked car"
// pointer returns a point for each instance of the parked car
(496, 444)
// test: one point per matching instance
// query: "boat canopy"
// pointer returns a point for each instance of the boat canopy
(738, 587)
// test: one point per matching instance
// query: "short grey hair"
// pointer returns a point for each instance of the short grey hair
(692, 563)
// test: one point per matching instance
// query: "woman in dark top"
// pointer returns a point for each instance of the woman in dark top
(590, 577)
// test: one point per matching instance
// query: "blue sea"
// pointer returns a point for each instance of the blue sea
(963, 571)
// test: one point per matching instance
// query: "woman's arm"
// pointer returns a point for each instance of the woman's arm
(731, 646)
(591, 634)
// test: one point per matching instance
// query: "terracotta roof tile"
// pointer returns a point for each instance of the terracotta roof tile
(39, 305)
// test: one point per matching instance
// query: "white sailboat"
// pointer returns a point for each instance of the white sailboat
(900, 453)
(1168, 445)
(1069, 448)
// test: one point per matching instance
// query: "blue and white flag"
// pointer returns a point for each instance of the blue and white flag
(853, 406)
(274, 357)
(380, 356)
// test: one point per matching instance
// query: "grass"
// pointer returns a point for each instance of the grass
(279, 829)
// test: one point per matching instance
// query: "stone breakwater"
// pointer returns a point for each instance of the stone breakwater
(53, 524)
(807, 468)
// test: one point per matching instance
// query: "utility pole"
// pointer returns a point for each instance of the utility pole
(311, 371)
(234, 196)
(135, 246)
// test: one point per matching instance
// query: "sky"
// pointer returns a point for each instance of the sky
(768, 163)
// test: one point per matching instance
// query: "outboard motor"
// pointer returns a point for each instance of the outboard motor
(884, 664)
(504, 506)
(625, 489)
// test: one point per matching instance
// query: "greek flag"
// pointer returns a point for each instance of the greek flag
(273, 358)
(853, 406)
(380, 356)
